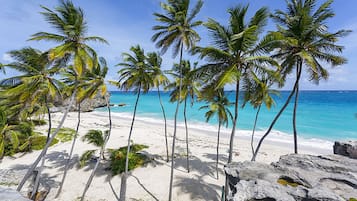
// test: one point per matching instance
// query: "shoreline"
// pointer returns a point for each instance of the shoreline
(278, 138)
(151, 181)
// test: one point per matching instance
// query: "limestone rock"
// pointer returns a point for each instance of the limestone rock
(294, 177)
(87, 105)
(348, 149)
(8, 194)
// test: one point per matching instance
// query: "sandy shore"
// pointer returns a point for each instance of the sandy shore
(152, 181)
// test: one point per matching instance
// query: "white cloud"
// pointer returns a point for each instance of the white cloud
(7, 58)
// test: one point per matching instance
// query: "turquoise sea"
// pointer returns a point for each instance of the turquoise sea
(322, 115)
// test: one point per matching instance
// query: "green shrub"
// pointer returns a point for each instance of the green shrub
(64, 134)
(117, 158)
(39, 142)
(352, 199)
(39, 122)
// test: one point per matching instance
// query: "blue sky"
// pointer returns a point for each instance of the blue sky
(124, 23)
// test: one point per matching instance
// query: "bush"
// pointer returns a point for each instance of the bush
(39, 122)
(117, 158)
(39, 142)
(64, 134)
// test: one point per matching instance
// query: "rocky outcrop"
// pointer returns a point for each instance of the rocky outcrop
(87, 105)
(348, 149)
(294, 177)
(8, 194)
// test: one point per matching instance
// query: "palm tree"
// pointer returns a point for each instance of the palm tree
(187, 89)
(95, 83)
(218, 106)
(177, 30)
(234, 53)
(303, 40)
(69, 21)
(159, 79)
(136, 76)
(258, 92)
(36, 86)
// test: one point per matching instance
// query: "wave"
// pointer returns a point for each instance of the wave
(275, 137)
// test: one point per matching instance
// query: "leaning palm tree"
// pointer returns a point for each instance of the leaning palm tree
(135, 75)
(218, 105)
(233, 53)
(184, 87)
(177, 30)
(159, 79)
(36, 86)
(303, 40)
(258, 92)
(94, 84)
(69, 21)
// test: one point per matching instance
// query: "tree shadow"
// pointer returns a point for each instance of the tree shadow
(196, 164)
(197, 188)
(145, 189)
(222, 158)
(59, 160)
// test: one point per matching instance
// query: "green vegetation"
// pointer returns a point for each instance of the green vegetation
(352, 199)
(39, 142)
(287, 182)
(64, 134)
(117, 158)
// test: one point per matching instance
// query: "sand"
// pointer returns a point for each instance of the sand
(150, 182)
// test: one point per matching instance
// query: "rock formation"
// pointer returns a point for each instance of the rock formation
(294, 177)
(87, 105)
(348, 149)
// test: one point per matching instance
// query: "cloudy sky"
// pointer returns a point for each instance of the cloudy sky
(124, 23)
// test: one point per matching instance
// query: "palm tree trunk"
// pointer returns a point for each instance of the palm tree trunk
(295, 108)
(125, 175)
(234, 124)
(217, 158)
(44, 150)
(175, 129)
(71, 151)
(232, 134)
(277, 116)
(38, 175)
(255, 124)
(163, 113)
(101, 155)
(187, 150)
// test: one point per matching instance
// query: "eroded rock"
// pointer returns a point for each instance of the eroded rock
(294, 177)
(348, 149)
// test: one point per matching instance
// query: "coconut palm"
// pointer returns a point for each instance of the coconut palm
(177, 30)
(184, 87)
(94, 84)
(135, 75)
(218, 105)
(303, 41)
(234, 53)
(159, 79)
(258, 92)
(69, 21)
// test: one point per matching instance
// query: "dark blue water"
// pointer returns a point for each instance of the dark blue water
(328, 115)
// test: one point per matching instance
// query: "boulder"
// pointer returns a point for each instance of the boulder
(8, 194)
(87, 105)
(348, 149)
(294, 177)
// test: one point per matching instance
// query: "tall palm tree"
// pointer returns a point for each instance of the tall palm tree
(184, 87)
(218, 105)
(135, 75)
(69, 21)
(233, 53)
(177, 30)
(95, 83)
(159, 79)
(303, 40)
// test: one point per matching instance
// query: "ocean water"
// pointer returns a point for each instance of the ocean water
(321, 115)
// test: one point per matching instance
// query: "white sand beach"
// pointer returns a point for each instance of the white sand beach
(150, 182)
